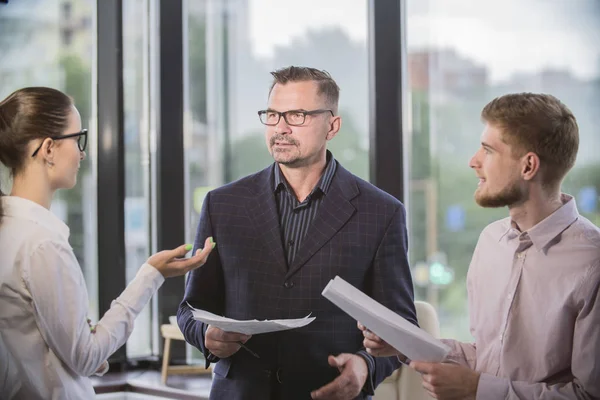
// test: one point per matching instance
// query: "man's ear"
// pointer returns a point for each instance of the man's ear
(530, 166)
(335, 123)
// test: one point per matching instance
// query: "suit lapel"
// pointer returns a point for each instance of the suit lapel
(335, 210)
(262, 210)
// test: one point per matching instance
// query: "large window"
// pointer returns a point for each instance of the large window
(462, 54)
(231, 46)
(52, 43)
(137, 159)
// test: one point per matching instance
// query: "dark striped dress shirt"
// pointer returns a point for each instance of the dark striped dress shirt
(295, 217)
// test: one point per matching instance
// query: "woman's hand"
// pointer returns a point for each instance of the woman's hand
(170, 263)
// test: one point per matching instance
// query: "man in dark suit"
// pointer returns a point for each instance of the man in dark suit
(281, 235)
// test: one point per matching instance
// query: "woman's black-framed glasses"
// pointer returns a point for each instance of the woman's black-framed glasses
(291, 117)
(81, 140)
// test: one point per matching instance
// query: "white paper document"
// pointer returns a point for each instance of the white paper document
(249, 327)
(410, 340)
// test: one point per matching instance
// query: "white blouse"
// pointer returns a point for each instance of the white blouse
(47, 348)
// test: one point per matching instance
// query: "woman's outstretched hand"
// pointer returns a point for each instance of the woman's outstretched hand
(170, 263)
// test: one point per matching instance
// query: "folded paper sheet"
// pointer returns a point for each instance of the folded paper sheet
(249, 327)
(410, 340)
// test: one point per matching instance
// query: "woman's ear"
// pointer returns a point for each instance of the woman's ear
(48, 150)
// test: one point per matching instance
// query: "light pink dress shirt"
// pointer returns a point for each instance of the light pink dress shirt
(534, 305)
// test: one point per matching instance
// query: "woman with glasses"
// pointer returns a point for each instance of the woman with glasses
(44, 329)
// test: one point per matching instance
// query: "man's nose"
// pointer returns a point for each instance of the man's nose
(282, 126)
(474, 161)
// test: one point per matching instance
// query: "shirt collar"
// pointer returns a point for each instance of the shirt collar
(324, 183)
(542, 234)
(19, 207)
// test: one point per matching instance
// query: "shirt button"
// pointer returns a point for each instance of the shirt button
(290, 242)
(509, 296)
(520, 255)
(288, 284)
(501, 336)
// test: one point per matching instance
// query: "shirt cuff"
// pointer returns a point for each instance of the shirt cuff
(139, 291)
(491, 387)
(369, 386)
(209, 357)
(402, 359)
(147, 270)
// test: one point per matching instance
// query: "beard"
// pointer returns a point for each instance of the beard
(288, 156)
(508, 196)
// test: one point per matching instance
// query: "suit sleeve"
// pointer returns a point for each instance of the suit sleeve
(391, 285)
(203, 289)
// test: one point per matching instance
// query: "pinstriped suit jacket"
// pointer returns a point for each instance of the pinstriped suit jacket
(359, 233)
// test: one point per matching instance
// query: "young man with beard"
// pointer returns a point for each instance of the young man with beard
(283, 233)
(533, 282)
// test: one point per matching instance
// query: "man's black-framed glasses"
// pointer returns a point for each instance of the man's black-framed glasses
(81, 140)
(291, 117)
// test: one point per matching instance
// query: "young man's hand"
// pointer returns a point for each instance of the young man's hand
(447, 381)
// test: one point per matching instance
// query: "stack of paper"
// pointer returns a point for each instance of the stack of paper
(413, 342)
(249, 327)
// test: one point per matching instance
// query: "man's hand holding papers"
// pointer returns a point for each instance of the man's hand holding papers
(223, 344)
(376, 346)
(402, 335)
(443, 381)
(225, 336)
